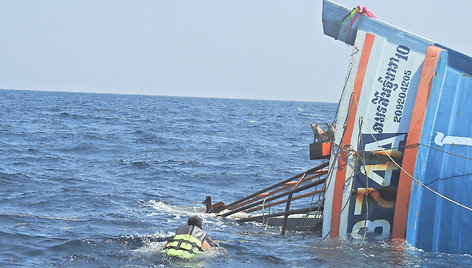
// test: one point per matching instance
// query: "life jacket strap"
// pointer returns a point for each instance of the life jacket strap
(179, 241)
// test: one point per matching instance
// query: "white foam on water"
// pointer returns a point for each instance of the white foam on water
(182, 213)
(150, 249)
(176, 210)
(150, 246)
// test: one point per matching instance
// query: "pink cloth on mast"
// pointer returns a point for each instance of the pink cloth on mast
(364, 11)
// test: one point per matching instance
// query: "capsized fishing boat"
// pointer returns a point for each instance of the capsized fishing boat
(401, 157)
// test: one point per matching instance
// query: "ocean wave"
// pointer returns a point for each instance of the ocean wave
(12, 177)
(73, 116)
(33, 150)
(140, 164)
(67, 245)
(144, 243)
(82, 148)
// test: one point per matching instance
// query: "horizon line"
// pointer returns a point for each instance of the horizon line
(159, 95)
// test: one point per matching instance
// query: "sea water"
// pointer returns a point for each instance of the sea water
(100, 180)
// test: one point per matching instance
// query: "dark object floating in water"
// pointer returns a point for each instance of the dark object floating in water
(213, 208)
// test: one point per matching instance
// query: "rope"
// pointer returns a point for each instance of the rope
(362, 158)
(341, 141)
(353, 97)
(334, 122)
(353, 178)
(337, 219)
(350, 149)
(316, 212)
(446, 152)
(425, 145)
(408, 174)
(416, 180)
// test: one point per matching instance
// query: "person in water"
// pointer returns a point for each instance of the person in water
(189, 240)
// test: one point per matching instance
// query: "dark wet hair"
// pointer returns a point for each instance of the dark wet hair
(195, 220)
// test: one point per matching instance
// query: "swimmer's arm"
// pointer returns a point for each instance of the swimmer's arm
(206, 246)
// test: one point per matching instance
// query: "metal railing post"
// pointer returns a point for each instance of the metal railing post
(287, 209)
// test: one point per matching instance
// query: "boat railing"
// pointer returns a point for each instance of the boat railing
(306, 184)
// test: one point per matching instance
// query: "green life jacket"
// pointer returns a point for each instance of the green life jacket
(187, 243)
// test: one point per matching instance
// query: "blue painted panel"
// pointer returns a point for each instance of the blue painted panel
(435, 224)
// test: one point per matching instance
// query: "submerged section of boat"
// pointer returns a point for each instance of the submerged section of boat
(283, 204)
(402, 142)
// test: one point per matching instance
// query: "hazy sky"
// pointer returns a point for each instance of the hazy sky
(257, 49)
